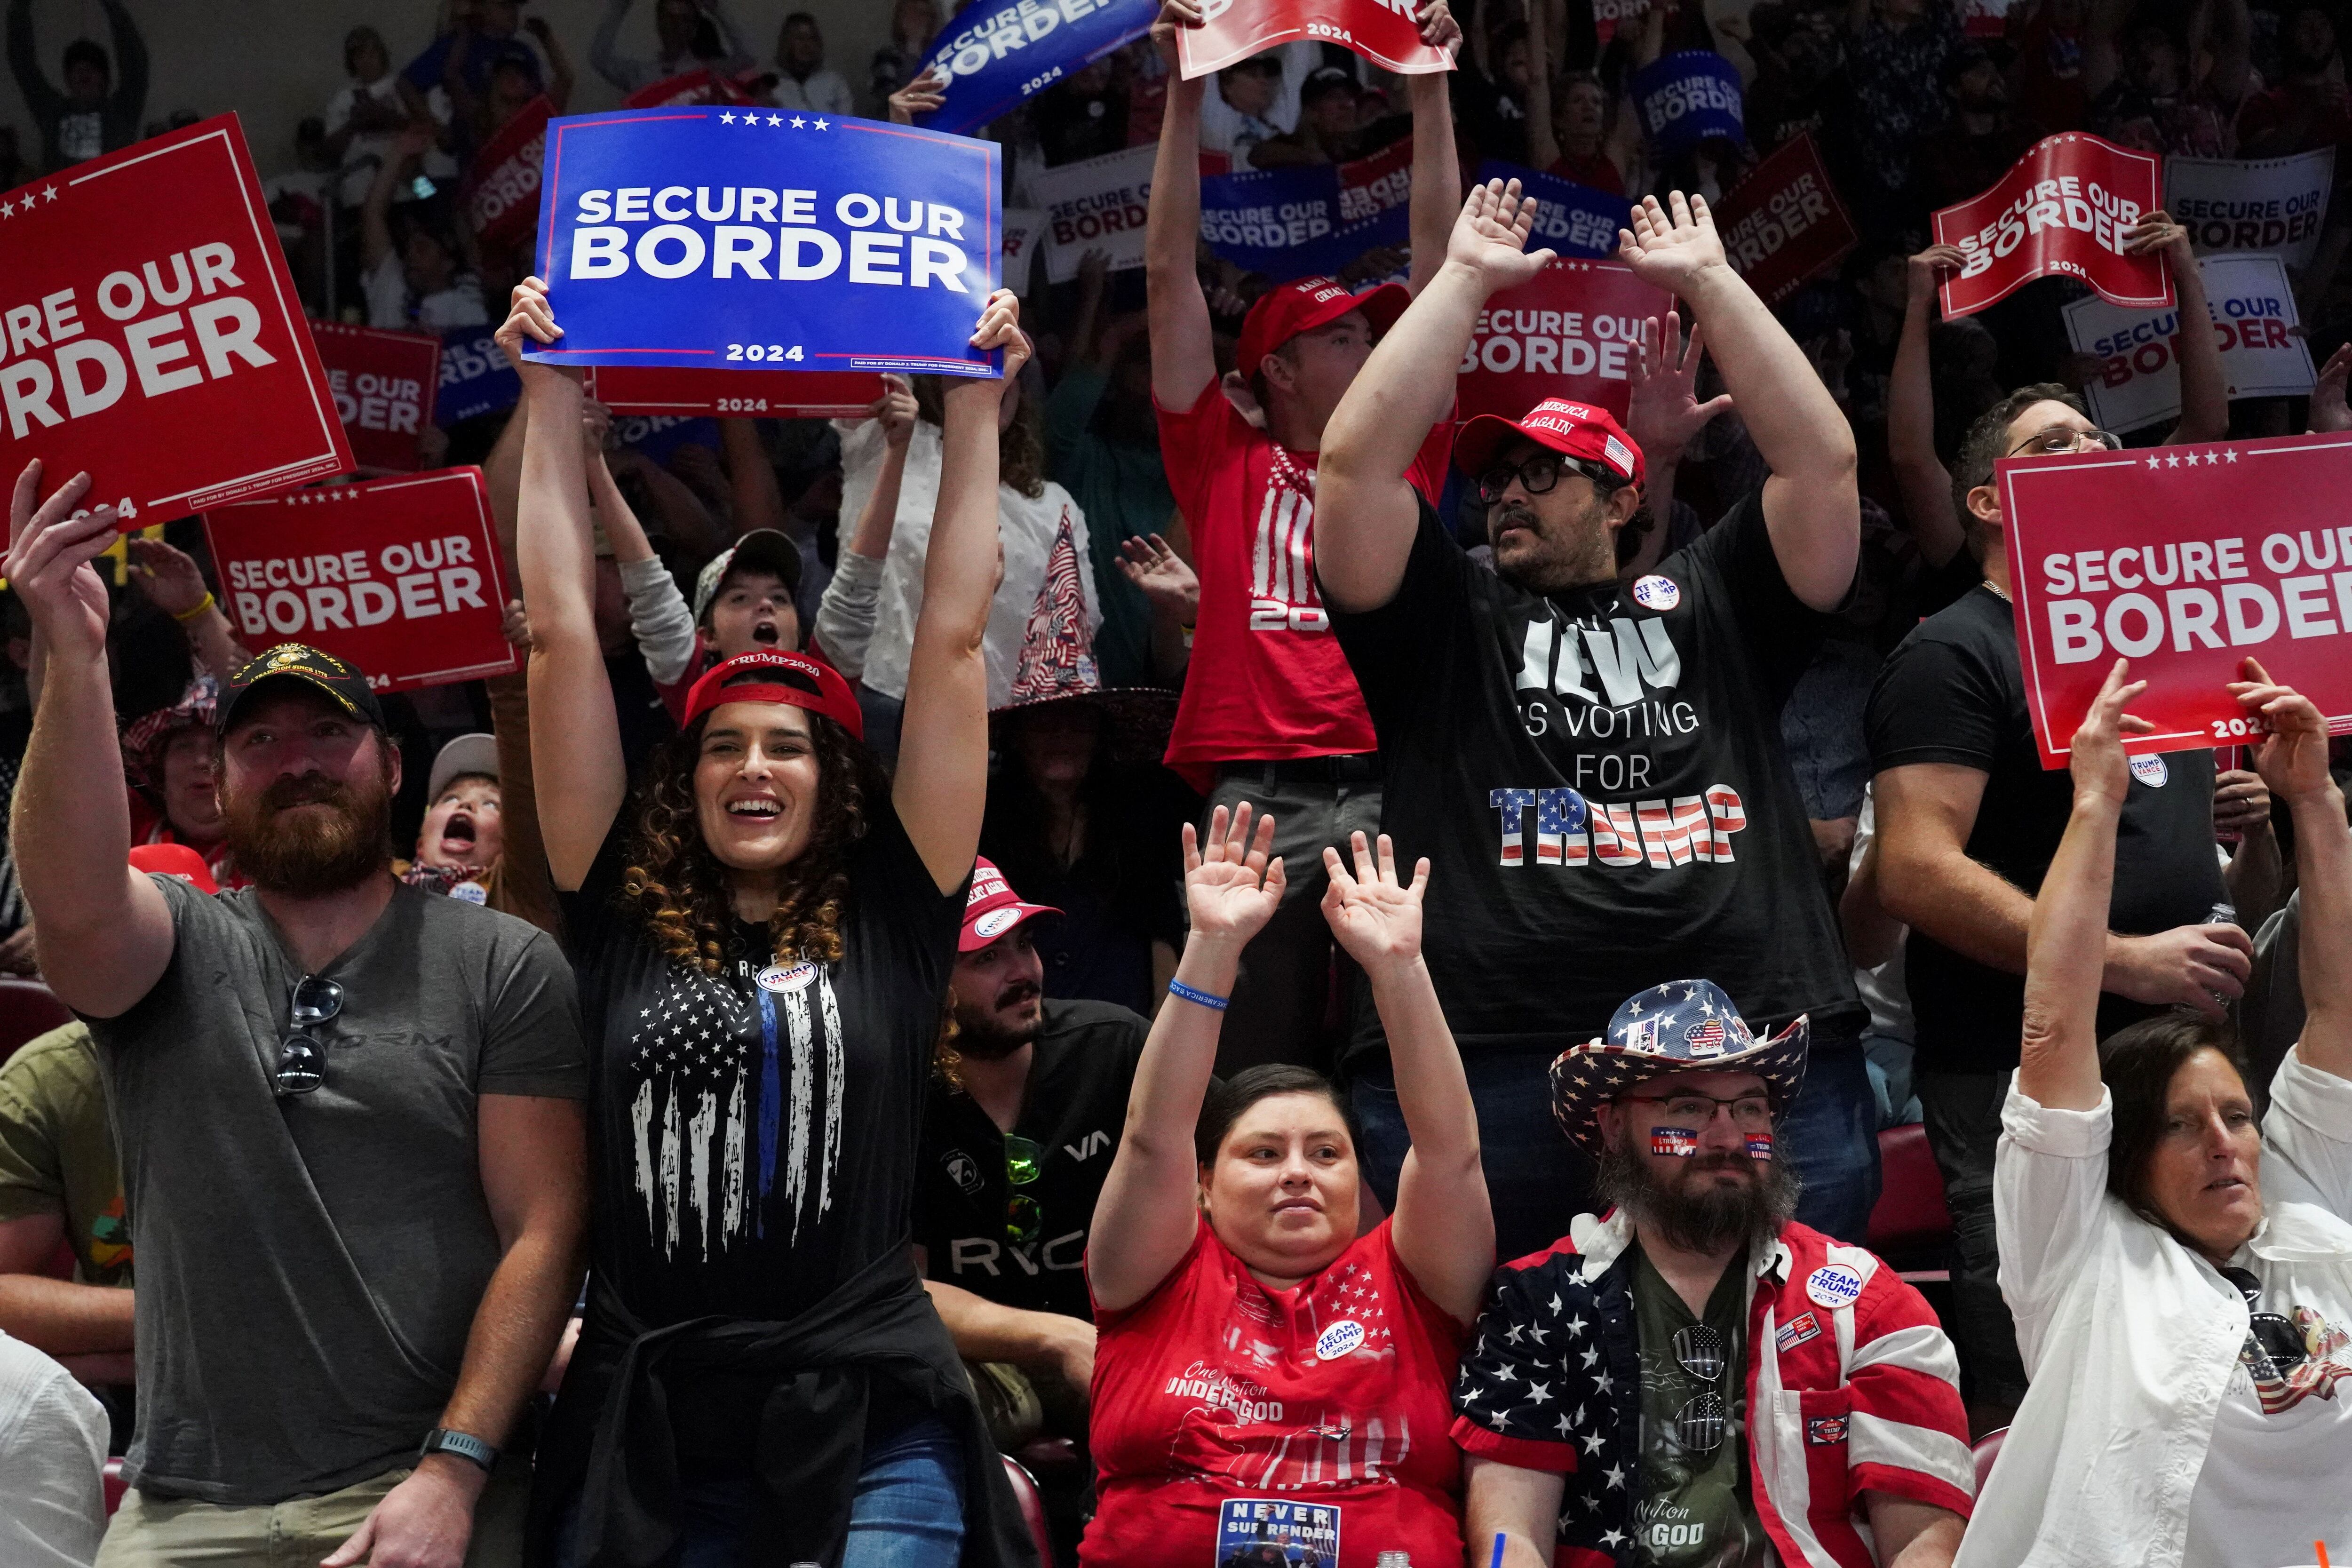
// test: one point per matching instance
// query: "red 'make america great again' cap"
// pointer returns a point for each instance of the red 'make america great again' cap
(778, 675)
(1304, 304)
(1571, 430)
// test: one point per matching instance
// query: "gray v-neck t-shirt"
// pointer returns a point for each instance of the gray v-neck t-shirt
(316, 1261)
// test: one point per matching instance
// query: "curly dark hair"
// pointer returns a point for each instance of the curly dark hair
(1020, 446)
(678, 888)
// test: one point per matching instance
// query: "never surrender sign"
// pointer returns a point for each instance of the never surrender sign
(1381, 31)
(1309, 221)
(734, 394)
(2277, 205)
(2136, 380)
(398, 576)
(149, 332)
(2185, 560)
(1573, 220)
(806, 241)
(383, 383)
(1783, 225)
(998, 54)
(1570, 332)
(2064, 209)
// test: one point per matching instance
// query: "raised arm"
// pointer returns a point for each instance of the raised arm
(1145, 1218)
(1366, 511)
(375, 213)
(2293, 759)
(852, 602)
(942, 778)
(1812, 505)
(1920, 476)
(604, 55)
(130, 61)
(1436, 192)
(2058, 1063)
(104, 932)
(176, 585)
(575, 732)
(2204, 386)
(1663, 416)
(1183, 359)
(1443, 1226)
(25, 61)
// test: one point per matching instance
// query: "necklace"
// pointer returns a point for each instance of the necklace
(1997, 590)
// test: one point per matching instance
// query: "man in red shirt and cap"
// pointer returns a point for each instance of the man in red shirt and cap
(1593, 765)
(1270, 713)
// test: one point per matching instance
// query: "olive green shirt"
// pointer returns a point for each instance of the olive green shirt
(1694, 1509)
(56, 1150)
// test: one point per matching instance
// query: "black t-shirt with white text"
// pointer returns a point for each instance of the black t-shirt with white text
(1080, 1071)
(1598, 782)
(1954, 692)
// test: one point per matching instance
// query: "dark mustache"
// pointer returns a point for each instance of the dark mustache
(1515, 516)
(307, 789)
(1019, 992)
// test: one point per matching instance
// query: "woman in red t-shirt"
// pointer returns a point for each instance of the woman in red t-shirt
(1278, 1379)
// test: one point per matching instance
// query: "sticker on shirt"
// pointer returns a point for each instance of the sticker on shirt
(964, 1172)
(1272, 1530)
(470, 893)
(1834, 1284)
(1681, 1142)
(1657, 593)
(1704, 1038)
(2281, 1382)
(995, 924)
(2150, 771)
(787, 976)
(1822, 1430)
(1800, 1330)
(1759, 1145)
(1339, 1338)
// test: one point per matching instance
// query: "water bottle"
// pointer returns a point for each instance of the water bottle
(2222, 914)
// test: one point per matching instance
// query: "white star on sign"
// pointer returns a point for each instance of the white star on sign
(726, 120)
(820, 125)
(2155, 462)
(2231, 456)
(798, 123)
(2211, 458)
(7, 209)
(2172, 462)
(775, 119)
(50, 193)
(751, 120)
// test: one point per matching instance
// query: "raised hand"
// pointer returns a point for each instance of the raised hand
(1439, 29)
(1173, 14)
(173, 582)
(1490, 238)
(2292, 758)
(1153, 566)
(2096, 758)
(51, 544)
(920, 96)
(2156, 231)
(1671, 243)
(1925, 272)
(1666, 414)
(1000, 328)
(595, 427)
(2329, 411)
(1233, 885)
(1376, 917)
(897, 409)
(533, 319)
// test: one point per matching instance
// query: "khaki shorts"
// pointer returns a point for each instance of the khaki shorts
(184, 1532)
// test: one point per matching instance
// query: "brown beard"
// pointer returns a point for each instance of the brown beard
(1709, 1220)
(979, 1036)
(312, 855)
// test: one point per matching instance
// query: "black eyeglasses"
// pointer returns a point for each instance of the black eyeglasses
(1699, 1423)
(1537, 476)
(2059, 439)
(302, 1060)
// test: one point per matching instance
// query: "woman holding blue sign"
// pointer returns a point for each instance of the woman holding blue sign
(763, 937)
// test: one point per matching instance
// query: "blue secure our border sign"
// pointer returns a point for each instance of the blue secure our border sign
(742, 237)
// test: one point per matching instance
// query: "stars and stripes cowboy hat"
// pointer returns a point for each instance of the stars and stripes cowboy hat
(1682, 1026)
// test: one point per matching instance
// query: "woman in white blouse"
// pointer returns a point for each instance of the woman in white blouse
(2181, 1275)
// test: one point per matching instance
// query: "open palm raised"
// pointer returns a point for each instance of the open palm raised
(1491, 235)
(1670, 243)
(1233, 885)
(1376, 917)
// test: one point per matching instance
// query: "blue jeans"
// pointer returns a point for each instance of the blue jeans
(907, 1512)
(1538, 1181)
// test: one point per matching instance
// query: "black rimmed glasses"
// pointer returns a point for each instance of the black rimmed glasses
(1024, 1162)
(302, 1060)
(1537, 476)
(1699, 1423)
(1751, 1113)
(2059, 439)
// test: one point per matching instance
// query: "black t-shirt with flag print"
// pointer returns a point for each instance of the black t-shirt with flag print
(1598, 780)
(753, 1132)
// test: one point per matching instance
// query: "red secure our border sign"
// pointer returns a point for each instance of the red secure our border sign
(1783, 223)
(150, 335)
(1381, 31)
(753, 393)
(398, 576)
(502, 186)
(2063, 208)
(382, 383)
(1570, 332)
(2185, 560)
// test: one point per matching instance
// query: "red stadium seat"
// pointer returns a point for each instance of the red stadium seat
(27, 1008)
(1987, 1449)
(1033, 1509)
(1910, 1228)
(115, 1485)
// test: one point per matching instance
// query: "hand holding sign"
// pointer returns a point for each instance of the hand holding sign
(50, 547)
(1490, 238)
(531, 320)
(1925, 273)
(2096, 758)
(2292, 757)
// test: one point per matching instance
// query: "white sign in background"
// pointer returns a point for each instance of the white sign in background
(2276, 205)
(1022, 228)
(1099, 203)
(2264, 353)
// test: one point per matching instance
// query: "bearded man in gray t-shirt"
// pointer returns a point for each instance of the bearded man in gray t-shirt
(349, 1113)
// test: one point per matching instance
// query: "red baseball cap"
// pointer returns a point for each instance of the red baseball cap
(992, 908)
(778, 675)
(175, 860)
(1306, 303)
(1571, 430)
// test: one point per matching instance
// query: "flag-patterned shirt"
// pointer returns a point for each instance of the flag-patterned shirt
(1851, 1387)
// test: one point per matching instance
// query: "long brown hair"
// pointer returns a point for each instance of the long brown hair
(1020, 446)
(678, 887)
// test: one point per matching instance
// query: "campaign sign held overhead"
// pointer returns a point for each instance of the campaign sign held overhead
(998, 54)
(1382, 31)
(1573, 220)
(1686, 98)
(2185, 560)
(398, 576)
(733, 238)
(2264, 204)
(384, 383)
(1783, 223)
(152, 335)
(1572, 331)
(2136, 378)
(2063, 208)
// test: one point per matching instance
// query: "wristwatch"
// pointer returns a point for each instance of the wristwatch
(465, 1444)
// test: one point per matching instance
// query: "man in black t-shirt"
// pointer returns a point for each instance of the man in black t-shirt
(1968, 822)
(1018, 1134)
(1595, 768)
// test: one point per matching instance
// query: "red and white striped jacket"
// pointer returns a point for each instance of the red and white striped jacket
(1851, 1387)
